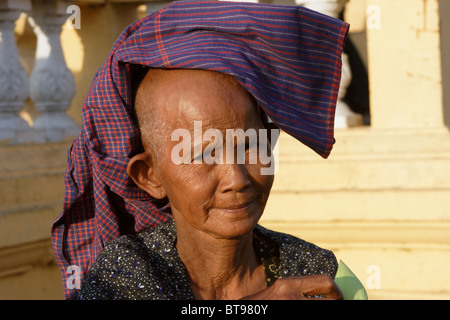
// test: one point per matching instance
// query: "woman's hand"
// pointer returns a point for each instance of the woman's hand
(300, 288)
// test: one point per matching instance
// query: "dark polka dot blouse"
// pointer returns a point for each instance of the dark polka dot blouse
(147, 265)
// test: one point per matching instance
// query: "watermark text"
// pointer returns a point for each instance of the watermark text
(241, 147)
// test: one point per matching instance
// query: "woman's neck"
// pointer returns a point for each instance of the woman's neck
(220, 268)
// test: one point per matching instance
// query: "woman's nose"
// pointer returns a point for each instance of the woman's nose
(234, 177)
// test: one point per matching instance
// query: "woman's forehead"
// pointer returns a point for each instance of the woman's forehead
(184, 96)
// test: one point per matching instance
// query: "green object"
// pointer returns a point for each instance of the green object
(351, 287)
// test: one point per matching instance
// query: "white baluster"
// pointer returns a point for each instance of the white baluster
(52, 85)
(345, 117)
(13, 78)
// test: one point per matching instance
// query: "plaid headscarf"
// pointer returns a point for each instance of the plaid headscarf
(288, 58)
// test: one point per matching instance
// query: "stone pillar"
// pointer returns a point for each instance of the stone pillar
(13, 77)
(52, 85)
(405, 65)
(392, 178)
(345, 117)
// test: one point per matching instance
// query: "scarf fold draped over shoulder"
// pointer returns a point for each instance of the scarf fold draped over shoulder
(288, 58)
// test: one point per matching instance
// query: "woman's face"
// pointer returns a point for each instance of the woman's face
(224, 198)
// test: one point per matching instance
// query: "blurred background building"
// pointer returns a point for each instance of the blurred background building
(381, 201)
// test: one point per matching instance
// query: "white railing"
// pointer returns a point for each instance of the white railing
(51, 85)
(13, 77)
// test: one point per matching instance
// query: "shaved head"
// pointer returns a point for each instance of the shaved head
(163, 89)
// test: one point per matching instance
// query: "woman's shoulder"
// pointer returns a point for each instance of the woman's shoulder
(129, 246)
(137, 266)
(299, 257)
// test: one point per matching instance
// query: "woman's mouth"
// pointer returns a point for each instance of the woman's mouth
(238, 208)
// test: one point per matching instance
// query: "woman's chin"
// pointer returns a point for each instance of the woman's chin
(233, 225)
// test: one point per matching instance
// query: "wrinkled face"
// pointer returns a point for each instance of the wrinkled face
(223, 198)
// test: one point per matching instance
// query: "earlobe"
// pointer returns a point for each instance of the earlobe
(141, 169)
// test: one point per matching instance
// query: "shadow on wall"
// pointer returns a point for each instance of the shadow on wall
(444, 12)
(357, 96)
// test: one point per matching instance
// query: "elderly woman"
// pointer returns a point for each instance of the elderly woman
(141, 224)
(213, 248)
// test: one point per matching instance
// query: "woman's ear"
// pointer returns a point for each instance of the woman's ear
(141, 169)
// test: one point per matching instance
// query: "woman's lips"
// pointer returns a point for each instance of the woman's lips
(238, 208)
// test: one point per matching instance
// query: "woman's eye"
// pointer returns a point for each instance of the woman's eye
(208, 153)
(197, 158)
